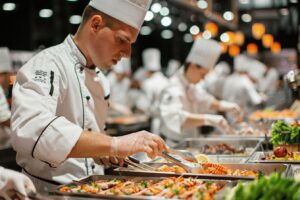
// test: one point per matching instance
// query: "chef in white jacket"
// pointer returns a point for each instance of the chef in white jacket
(120, 99)
(268, 84)
(180, 101)
(60, 99)
(153, 85)
(239, 88)
(5, 113)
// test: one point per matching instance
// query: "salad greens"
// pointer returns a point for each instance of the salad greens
(274, 187)
(283, 133)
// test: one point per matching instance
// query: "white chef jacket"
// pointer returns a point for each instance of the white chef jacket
(214, 83)
(268, 84)
(120, 90)
(4, 116)
(55, 98)
(239, 89)
(178, 100)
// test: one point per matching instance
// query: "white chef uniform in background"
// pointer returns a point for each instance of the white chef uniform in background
(120, 82)
(152, 86)
(56, 97)
(239, 88)
(180, 101)
(173, 66)
(268, 84)
(5, 67)
(214, 81)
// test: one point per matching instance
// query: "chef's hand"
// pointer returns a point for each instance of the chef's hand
(138, 142)
(217, 121)
(233, 108)
(124, 110)
(14, 185)
(108, 161)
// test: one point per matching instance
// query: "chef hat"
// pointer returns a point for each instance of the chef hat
(5, 60)
(256, 69)
(204, 53)
(222, 68)
(241, 63)
(131, 12)
(151, 59)
(123, 66)
(173, 66)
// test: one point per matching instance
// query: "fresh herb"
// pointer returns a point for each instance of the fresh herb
(144, 184)
(176, 191)
(79, 190)
(283, 133)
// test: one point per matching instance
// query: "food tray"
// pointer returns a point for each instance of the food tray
(195, 144)
(265, 169)
(219, 195)
(294, 171)
(256, 158)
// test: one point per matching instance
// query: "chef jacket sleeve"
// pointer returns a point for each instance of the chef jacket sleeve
(171, 110)
(203, 97)
(253, 95)
(37, 130)
(4, 108)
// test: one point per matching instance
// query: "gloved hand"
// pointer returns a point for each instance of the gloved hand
(138, 142)
(122, 109)
(234, 108)
(217, 121)
(14, 184)
(109, 160)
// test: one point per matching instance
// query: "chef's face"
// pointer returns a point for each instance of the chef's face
(110, 42)
(197, 73)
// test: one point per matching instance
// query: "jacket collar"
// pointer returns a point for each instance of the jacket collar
(75, 52)
(183, 80)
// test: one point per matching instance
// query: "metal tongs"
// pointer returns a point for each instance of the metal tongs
(136, 164)
(190, 167)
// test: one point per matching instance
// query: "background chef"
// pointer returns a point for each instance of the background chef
(180, 100)
(60, 98)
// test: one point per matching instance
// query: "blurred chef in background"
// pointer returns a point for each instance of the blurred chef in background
(60, 99)
(180, 101)
(173, 66)
(214, 81)
(240, 86)
(5, 113)
(269, 83)
(152, 86)
(120, 83)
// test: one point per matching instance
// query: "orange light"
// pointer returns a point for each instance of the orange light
(239, 38)
(234, 50)
(230, 38)
(267, 40)
(258, 30)
(276, 47)
(224, 47)
(197, 36)
(212, 28)
(252, 49)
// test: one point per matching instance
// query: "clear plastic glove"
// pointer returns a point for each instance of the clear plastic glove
(141, 141)
(233, 108)
(14, 185)
(217, 121)
(108, 161)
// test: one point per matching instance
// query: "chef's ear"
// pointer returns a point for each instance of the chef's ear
(97, 23)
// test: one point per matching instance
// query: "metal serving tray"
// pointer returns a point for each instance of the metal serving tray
(256, 158)
(219, 195)
(294, 171)
(195, 144)
(265, 169)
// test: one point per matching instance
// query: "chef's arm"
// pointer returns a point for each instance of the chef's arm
(193, 120)
(99, 145)
(225, 106)
(91, 144)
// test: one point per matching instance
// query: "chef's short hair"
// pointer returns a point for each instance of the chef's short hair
(187, 64)
(89, 12)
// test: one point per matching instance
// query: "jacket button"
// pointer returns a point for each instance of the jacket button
(89, 129)
(88, 98)
(81, 69)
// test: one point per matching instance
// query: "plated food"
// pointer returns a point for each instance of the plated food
(212, 168)
(178, 188)
(221, 148)
(289, 156)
